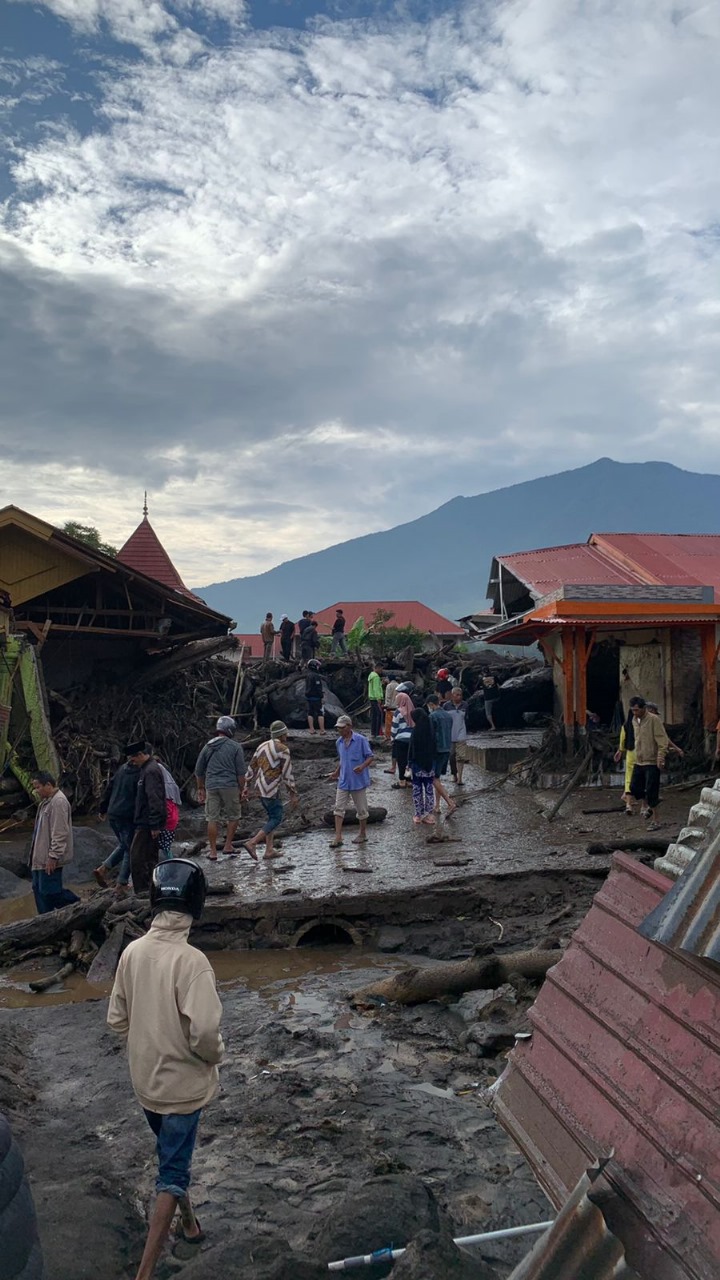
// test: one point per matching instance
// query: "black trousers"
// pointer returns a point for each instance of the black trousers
(401, 751)
(645, 784)
(144, 855)
(377, 716)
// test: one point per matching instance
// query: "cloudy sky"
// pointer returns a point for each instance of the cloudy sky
(308, 268)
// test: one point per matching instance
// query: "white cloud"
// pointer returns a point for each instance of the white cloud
(381, 263)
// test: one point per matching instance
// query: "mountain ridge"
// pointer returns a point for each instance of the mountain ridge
(443, 557)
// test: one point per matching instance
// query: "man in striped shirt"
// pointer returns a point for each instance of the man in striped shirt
(269, 768)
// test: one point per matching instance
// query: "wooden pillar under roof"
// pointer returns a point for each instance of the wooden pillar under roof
(709, 645)
(568, 667)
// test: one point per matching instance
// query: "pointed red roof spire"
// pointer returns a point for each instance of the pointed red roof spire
(145, 552)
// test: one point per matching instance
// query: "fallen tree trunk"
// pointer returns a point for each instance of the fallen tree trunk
(185, 656)
(416, 986)
(574, 781)
(376, 814)
(43, 984)
(647, 844)
(105, 963)
(55, 926)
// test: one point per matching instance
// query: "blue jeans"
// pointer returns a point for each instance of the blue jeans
(123, 834)
(339, 642)
(49, 893)
(274, 809)
(175, 1135)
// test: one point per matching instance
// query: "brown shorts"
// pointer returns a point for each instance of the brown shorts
(223, 804)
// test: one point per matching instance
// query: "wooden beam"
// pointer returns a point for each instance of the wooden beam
(582, 650)
(568, 666)
(710, 684)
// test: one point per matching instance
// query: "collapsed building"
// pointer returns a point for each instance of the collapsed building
(619, 615)
(74, 618)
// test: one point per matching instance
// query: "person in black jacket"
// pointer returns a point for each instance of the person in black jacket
(20, 1255)
(314, 696)
(150, 815)
(118, 806)
(287, 634)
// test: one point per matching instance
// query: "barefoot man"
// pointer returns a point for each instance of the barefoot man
(269, 767)
(165, 1003)
(353, 779)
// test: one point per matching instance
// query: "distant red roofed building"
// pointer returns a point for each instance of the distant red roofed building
(251, 646)
(404, 613)
(145, 553)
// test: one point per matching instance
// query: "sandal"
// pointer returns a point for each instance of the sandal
(335, 844)
(250, 852)
(180, 1233)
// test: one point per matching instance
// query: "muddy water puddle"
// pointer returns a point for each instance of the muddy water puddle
(273, 975)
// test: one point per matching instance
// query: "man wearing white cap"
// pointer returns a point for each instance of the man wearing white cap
(353, 779)
(220, 778)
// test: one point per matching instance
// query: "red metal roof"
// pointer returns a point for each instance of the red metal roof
(252, 642)
(623, 559)
(625, 1054)
(406, 613)
(145, 553)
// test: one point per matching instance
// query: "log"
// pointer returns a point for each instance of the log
(647, 844)
(375, 814)
(185, 655)
(105, 963)
(55, 926)
(574, 781)
(416, 986)
(42, 984)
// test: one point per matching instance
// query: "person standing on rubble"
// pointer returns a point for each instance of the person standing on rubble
(651, 747)
(287, 635)
(339, 642)
(267, 635)
(457, 707)
(165, 1002)
(375, 698)
(269, 768)
(314, 696)
(51, 846)
(118, 806)
(220, 780)
(150, 817)
(490, 688)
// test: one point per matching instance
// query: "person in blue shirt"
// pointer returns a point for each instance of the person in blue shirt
(441, 723)
(353, 779)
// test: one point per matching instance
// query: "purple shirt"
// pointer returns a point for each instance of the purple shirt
(353, 751)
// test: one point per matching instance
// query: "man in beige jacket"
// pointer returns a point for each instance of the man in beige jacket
(651, 747)
(51, 846)
(165, 1001)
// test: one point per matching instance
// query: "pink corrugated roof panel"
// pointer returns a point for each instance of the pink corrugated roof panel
(625, 1056)
(550, 568)
(673, 559)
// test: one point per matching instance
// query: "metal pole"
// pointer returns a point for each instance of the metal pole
(389, 1254)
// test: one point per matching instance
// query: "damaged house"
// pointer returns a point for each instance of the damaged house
(619, 615)
(75, 617)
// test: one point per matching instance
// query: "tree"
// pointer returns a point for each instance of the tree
(89, 534)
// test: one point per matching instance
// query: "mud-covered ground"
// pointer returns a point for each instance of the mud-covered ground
(332, 1126)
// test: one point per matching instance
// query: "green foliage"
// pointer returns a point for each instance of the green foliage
(384, 640)
(89, 534)
(357, 636)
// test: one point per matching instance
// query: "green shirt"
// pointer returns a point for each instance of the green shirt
(375, 689)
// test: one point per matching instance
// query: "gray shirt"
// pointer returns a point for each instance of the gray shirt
(221, 764)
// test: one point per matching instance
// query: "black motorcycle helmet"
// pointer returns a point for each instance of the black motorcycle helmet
(178, 885)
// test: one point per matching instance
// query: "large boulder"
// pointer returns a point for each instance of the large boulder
(12, 886)
(91, 846)
(289, 704)
(529, 693)
(238, 1259)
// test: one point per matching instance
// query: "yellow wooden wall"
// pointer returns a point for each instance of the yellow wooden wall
(30, 566)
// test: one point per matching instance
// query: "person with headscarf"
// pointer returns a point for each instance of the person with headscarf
(402, 727)
(421, 755)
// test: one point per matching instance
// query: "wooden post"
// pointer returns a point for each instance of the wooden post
(709, 674)
(584, 646)
(568, 666)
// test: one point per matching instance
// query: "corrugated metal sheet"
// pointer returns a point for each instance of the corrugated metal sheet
(549, 568)
(406, 613)
(672, 558)
(579, 1245)
(625, 1053)
(688, 917)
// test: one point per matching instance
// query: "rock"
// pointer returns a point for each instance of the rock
(12, 886)
(14, 856)
(91, 846)
(388, 1210)
(289, 704)
(483, 1004)
(390, 938)
(433, 1255)
(264, 1260)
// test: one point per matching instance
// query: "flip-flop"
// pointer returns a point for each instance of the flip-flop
(360, 840)
(180, 1233)
(229, 853)
(250, 852)
(211, 857)
(335, 844)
